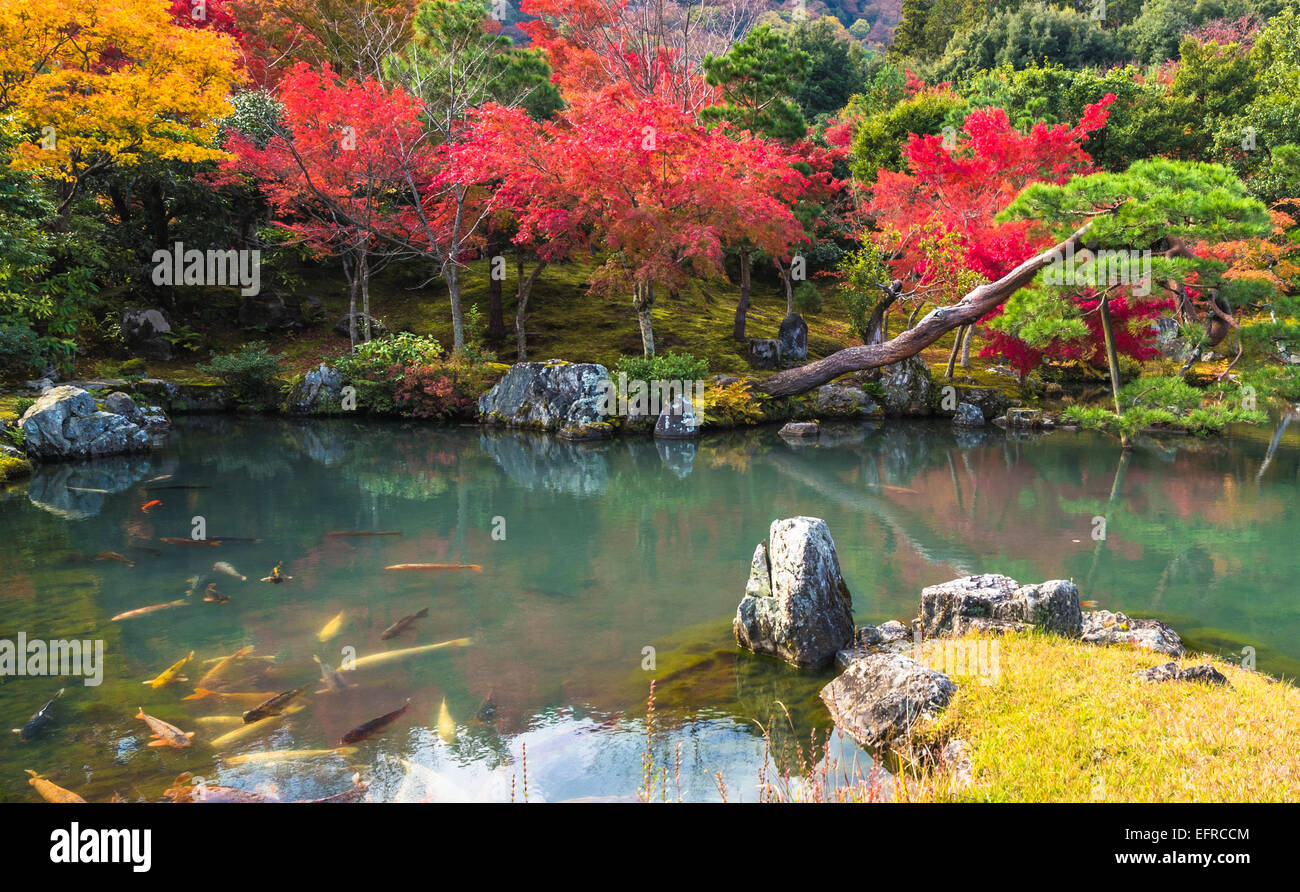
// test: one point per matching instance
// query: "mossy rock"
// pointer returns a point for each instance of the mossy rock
(13, 468)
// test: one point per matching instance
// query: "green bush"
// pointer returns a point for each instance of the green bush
(376, 367)
(807, 298)
(252, 373)
(670, 366)
(20, 350)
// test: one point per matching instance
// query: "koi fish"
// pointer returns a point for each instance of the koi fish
(231, 539)
(183, 791)
(275, 578)
(272, 706)
(210, 543)
(223, 567)
(220, 721)
(141, 611)
(87, 489)
(331, 628)
(361, 732)
(257, 727)
(153, 503)
(165, 734)
(239, 698)
(475, 567)
(170, 674)
(213, 675)
(37, 722)
(114, 556)
(487, 710)
(446, 726)
(358, 790)
(145, 549)
(358, 533)
(159, 477)
(402, 625)
(390, 655)
(52, 792)
(215, 596)
(287, 755)
(334, 682)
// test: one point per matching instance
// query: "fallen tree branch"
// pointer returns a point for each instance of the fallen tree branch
(938, 322)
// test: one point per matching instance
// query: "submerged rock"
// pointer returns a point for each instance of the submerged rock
(65, 423)
(881, 697)
(796, 605)
(1170, 672)
(1105, 627)
(799, 430)
(993, 603)
(554, 395)
(186, 398)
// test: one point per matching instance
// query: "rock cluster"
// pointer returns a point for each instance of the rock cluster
(65, 423)
(565, 397)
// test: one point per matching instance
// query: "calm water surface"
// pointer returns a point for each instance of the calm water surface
(608, 549)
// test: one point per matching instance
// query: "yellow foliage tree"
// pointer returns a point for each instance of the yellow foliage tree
(104, 83)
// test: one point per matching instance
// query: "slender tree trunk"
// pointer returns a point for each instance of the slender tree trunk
(353, 287)
(524, 291)
(1112, 358)
(952, 354)
(965, 346)
(643, 299)
(496, 247)
(451, 273)
(363, 273)
(878, 324)
(789, 288)
(742, 306)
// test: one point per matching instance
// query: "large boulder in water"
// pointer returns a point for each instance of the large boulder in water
(65, 423)
(680, 421)
(555, 395)
(993, 603)
(881, 697)
(796, 605)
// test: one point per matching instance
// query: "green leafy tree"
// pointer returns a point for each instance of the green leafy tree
(757, 79)
(1029, 35)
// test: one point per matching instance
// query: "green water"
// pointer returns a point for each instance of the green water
(600, 551)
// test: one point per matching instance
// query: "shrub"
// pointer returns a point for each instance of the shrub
(441, 390)
(670, 366)
(20, 350)
(807, 298)
(731, 405)
(252, 373)
(376, 367)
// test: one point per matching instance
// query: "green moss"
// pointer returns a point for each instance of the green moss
(13, 468)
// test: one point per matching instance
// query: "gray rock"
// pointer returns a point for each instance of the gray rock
(793, 338)
(119, 403)
(800, 430)
(1105, 627)
(765, 353)
(377, 328)
(1022, 417)
(882, 697)
(554, 396)
(845, 401)
(909, 389)
(268, 311)
(186, 398)
(892, 631)
(320, 392)
(65, 423)
(990, 402)
(679, 421)
(992, 603)
(155, 420)
(40, 385)
(1204, 673)
(796, 605)
(142, 334)
(968, 415)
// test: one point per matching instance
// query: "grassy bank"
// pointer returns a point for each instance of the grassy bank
(1066, 721)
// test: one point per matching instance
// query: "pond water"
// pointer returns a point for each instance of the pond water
(590, 554)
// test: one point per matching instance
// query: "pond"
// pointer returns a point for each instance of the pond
(603, 566)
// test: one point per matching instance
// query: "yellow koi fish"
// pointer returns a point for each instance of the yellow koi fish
(233, 698)
(245, 731)
(165, 734)
(390, 655)
(170, 674)
(332, 628)
(287, 755)
(51, 792)
(213, 675)
(446, 726)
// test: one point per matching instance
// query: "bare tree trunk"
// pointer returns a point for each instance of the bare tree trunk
(363, 273)
(496, 328)
(643, 299)
(524, 291)
(965, 346)
(742, 306)
(1112, 358)
(350, 274)
(952, 354)
(789, 288)
(938, 322)
(451, 273)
